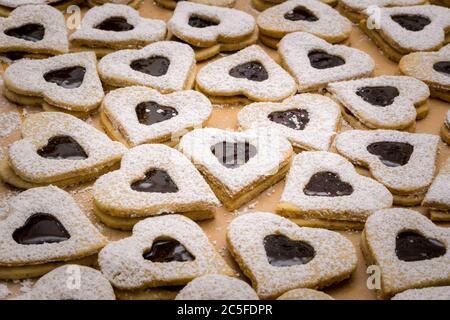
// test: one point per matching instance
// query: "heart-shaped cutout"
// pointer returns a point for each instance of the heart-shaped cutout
(168, 250)
(442, 66)
(284, 252)
(199, 22)
(309, 60)
(411, 22)
(165, 65)
(36, 30)
(29, 32)
(326, 188)
(403, 162)
(68, 78)
(45, 225)
(235, 161)
(41, 228)
(385, 102)
(410, 251)
(412, 246)
(309, 121)
(116, 26)
(137, 115)
(250, 72)
(278, 256)
(301, 13)
(392, 154)
(327, 184)
(155, 181)
(152, 186)
(62, 147)
(232, 154)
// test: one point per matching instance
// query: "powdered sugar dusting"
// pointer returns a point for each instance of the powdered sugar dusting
(9, 122)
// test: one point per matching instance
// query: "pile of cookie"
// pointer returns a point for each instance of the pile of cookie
(156, 170)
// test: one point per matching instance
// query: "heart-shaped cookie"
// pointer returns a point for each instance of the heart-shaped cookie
(437, 198)
(309, 16)
(217, 287)
(250, 72)
(43, 230)
(33, 29)
(137, 115)
(314, 63)
(53, 286)
(433, 293)
(205, 26)
(165, 65)
(172, 4)
(404, 162)
(404, 30)
(355, 9)
(324, 189)
(433, 68)
(58, 149)
(409, 249)
(304, 294)
(162, 251)
(152, 180)
(115, 26)
(279, 256)
(309, 121)
(7, 6)
(386, 102)
(238, 165)
(66, 82)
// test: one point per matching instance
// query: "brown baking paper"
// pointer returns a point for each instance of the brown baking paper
(224, 117)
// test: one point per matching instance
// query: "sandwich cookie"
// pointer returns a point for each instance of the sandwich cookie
(166, 66)
(314, 63)
(71, 282)
(68, 83)
(437, 198)
(404, 30)
(310, 16)
(309, 121)
(433, 293)
(162, 254)
(411, 251)
(152, 180)
(138, 115)
(304, 294)
(279, 256)
(433, 68)
(404, 162)
(386, 102)
(238, 165)
(172, 4)
(58, 149)
(113, 27)
(323, 189)
(7, 6)
(211, 30)
(262, 5)
(33, 31)
(243, 77)
(44, 230)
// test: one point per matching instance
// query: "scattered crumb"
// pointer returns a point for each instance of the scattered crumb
(26, 285)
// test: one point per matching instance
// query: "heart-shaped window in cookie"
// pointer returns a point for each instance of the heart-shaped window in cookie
(412, 246)
(167, 250)
(411, 22)
(296, 119)
(233, 154)
(69, 78)
(381, 96)
(327, 184)
(301, 13)
(41, 228)
(151, 112)
(391, 153)
(62, 147)
(202, 22)
(442, 67)
(155, 180)
(320, 59)
(116, 24)
(284, 252)
(30, 32)
(155, 66)
(252, 70)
